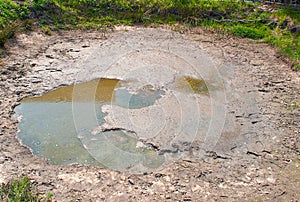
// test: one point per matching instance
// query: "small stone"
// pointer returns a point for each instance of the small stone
(74, 50)
(53, 69)
(140, 145)
(36, 81)
(123, 178)
(271, 180)
(187, 199)
(167, 178)
(49, 56)
(256, 62)
(131, 181)
(33, 64)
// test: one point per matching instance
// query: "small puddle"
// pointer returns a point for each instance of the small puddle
(191, 85)
(48, 128)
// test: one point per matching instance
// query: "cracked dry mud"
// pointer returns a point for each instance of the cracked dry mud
(252, 155)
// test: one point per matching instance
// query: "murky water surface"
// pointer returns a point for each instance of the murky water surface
(190, 85)
(98, 90)
(48, 127)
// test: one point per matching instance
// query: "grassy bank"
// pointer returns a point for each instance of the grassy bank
(278, 28)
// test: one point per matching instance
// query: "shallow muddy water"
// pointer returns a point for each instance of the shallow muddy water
(191, 85)
(49, 129)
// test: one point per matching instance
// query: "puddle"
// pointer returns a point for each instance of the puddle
(48, 127)
(191, 85)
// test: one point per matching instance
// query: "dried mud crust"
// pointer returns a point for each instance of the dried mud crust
(263, 166)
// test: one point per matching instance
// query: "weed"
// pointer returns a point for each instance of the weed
(296, 67)
(47, 30)
(21, 189)
(8, 32)
(243, 31)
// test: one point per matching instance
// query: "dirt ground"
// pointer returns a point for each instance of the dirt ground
(261, 164)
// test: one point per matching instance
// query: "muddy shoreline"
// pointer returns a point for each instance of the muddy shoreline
(258, 165)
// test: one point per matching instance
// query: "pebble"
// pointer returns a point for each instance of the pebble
(49, 56)
(256, 62)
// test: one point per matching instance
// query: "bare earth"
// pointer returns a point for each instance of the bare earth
(256, 158)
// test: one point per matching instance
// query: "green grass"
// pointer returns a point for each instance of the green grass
(11, 19)
(21, 190)
(11, 12)
(235, 17)
(243, 31)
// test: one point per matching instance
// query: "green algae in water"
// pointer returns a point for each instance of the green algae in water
(48, 127)
(191, 85)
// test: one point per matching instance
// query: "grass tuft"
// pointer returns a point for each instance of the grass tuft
(18, 190)
(243, 31)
